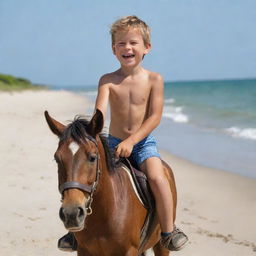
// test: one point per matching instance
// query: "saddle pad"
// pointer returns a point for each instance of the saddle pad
(127, 170)
(141, 184)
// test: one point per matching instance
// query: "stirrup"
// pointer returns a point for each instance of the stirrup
(67, 243)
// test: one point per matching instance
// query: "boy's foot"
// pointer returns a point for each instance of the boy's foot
(175, 240)
(68, 243)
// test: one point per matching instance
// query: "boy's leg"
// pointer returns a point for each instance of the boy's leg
(172, 238)
(160, 187)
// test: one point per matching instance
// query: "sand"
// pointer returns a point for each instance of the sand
(215, 208)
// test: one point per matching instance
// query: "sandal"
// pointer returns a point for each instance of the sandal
(174, 241)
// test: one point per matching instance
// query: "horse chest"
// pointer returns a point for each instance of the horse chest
(103, 246)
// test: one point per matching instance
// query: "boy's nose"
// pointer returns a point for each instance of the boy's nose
(128, 46)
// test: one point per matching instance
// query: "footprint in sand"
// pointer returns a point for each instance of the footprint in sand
(18, 214)
(34, 219)
(227, 238)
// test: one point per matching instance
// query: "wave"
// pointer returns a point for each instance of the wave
(169, 101)
(246, 133)
(176, 114)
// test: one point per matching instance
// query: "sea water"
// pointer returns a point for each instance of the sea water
(212, 123)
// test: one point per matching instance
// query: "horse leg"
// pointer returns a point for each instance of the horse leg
(132, 252)
(159, 250)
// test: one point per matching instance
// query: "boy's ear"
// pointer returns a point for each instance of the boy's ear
(113, 49)
(147, 48)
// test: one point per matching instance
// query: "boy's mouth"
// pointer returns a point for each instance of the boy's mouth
(127, 56)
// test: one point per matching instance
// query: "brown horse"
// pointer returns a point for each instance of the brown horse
(98, 201)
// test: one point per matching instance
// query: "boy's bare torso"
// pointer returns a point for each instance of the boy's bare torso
(129, 98)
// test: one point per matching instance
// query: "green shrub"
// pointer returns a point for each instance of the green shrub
(9, 82)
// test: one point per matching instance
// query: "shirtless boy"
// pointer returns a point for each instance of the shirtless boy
(136, 102)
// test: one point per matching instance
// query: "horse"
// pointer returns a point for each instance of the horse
(98, 201)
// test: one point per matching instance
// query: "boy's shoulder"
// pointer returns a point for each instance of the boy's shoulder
(155, 76)
(155, 79)
(108, 78)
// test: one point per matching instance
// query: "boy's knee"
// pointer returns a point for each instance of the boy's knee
(156, 179)
(151, 164)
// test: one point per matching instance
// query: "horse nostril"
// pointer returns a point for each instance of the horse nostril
(80, 212)
(61, 214)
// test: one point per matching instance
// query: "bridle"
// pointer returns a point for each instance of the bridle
(90, 189)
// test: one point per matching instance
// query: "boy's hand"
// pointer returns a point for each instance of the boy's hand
(124, 149)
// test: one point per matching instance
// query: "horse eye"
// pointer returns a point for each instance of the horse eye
(92, 158)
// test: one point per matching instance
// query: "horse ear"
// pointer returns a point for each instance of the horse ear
(96, 124)
(56, 127)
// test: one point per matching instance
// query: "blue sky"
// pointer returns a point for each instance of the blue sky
(67, 42)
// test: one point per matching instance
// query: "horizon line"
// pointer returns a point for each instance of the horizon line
(167, 81)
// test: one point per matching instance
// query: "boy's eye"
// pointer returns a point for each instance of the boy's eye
(121, 43)
(133, 43)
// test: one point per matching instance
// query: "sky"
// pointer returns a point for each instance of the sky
(67, 42)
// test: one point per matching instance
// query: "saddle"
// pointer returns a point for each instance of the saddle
(141, 183)
(144, 191)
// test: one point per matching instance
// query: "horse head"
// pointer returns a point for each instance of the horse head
(77, 157)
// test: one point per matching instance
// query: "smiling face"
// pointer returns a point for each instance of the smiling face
(129, 47)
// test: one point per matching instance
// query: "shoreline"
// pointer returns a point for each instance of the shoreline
(208, 148)
(215, 208)
(213, 169)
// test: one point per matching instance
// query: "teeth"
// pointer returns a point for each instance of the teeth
(128, 56)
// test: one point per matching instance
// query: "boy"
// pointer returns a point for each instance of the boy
(136, 101)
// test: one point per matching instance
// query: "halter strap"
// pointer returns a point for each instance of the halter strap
(84, 187)
(74, 184)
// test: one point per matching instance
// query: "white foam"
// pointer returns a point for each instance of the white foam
(169, 101)
(247, 133)
(176, 114)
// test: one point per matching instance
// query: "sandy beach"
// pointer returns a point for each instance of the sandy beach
(215, 208)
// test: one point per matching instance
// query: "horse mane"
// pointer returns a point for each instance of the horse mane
(77, 130)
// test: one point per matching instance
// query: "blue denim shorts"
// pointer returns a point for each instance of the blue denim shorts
(143, 150)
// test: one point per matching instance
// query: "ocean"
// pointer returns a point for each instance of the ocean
(211, 123)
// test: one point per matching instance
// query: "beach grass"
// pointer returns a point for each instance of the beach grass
(12, 83)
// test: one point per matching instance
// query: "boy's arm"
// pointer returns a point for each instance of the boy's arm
(152, 121)
(103, 96)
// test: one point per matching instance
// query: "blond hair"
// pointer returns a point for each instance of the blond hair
(128, 22)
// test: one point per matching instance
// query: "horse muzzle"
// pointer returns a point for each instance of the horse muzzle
(73, 217)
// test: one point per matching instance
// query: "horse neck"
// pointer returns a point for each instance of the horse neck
(111, 182)
(105, 175)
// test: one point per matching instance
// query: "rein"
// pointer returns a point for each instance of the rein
(90, 189)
